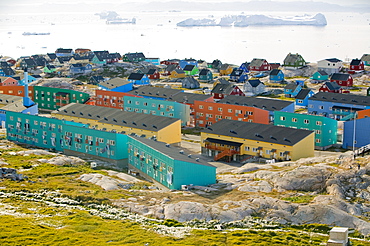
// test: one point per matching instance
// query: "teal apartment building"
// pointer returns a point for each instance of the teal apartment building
(158, 107)
(325, 128)
(168, 165)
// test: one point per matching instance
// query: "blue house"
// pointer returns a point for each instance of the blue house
(244, 67)
(356, 133)
(302, 97)
(21, 80)
(138, 79)
(183, 63)
(116, 84)
(64, 52)
(320, 75)
(276, 75)
(238, 75)
(336, 105)
(6, 71)
(292, 90)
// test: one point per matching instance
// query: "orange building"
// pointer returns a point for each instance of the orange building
(363, 114)
(16, 90)
(207, 113)
(110, 99)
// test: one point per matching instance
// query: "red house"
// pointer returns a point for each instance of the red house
(170, 62)
(7, 81)
(259, 65)
(342, 79)
(151, 73)
(223, 90)
(357, 65)
(110, 99)
(332, 87)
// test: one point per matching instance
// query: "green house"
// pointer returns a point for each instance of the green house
(133, 57)
(205, 75)
(53, 98)
(50, 69)
(325, 128)
(294, 61)
(320, 75)
(167, 165)
(191, 70)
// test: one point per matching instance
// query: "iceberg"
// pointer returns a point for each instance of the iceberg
(248, 20)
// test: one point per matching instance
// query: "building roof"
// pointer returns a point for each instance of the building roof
(114, 83)
(204, 71)
(223, 89)
(189, 67)
(149, 71)
(134, 56)
(185, 97)
(258, 132)
(365, 57)
(237, 72)
(179, 71)
(223, 81)
(6, 99)
(256, 62)
(171, 151)
(61, 50)
(341, 98)
(151, 91)
(258, 102)
(334, 60)
(322, 73)
(117, 117)
(291, 86)
(224, 66)
(254, 82)
(302, 94)
(136, 76)
(275, 72)
(292, 58)
(8, 71)
(52, 56)
(340, 76)
(171, 67)
(355, 62)
(332, 86)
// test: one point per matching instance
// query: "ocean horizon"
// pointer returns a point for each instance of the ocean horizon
(156, 35)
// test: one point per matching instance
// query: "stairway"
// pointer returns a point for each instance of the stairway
(226, 152)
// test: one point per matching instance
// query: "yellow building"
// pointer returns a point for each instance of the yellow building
(161, 128)
(238, 141)
(177, 73)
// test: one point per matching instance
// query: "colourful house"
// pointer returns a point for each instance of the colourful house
(8, 81)
(294, 61)
(151, 73)
(64, 52)
(190, 83)
(167, 165)
(162, 128)
(79, 68)
(366, 59)
(138, 79)
(133, 57)
(191, 70)
(342, 79)
(116, 84)
(220, 91)
(205, 75)
(53, 98)
(207, 113)
(276, 76)
(259, 65)
(302, 97)
(158, 107)
(357, 65)
(154, 61)
(320, 75)
(292, 89)
(238, 76)
(244, 67)
(330, 65)
(49, 69)
(184, 62)
(177, 73)
(325, 129)
(254, 87)
(238, 141)
(226, 69)
(331, 87)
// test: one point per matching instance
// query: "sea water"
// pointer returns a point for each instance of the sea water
(346, 36)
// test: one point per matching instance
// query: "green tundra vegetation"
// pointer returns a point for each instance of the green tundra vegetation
(36, 222)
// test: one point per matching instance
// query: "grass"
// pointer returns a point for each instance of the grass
(299, 199)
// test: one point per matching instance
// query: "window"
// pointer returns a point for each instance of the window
(318, 140)
(230, 110)
(209, 115)
(246, 148)
(294, 119)
(220, 109)
(318, 123)
(282, 118)
(317, 131)
(201, 106)
(200, 122)
(255, 149)
(145, 104)
(300, 101)
(228, 117)
(250, 113)
(238, 112)
(268, 152)
(310, 105)
(137, 102)
(210, 108)
(306, 121)
(321, 107)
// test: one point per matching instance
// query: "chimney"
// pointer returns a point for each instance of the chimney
(27, 102)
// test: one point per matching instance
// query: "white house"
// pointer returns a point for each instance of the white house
(330, 66)
(254, 87)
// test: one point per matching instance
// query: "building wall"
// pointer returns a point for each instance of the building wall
(16, 90)
(355, 133)
(325, 129)
(325, 108)
(266, 149)
(203, 111)
(158, 107)
(363, 114)
(170, 134)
